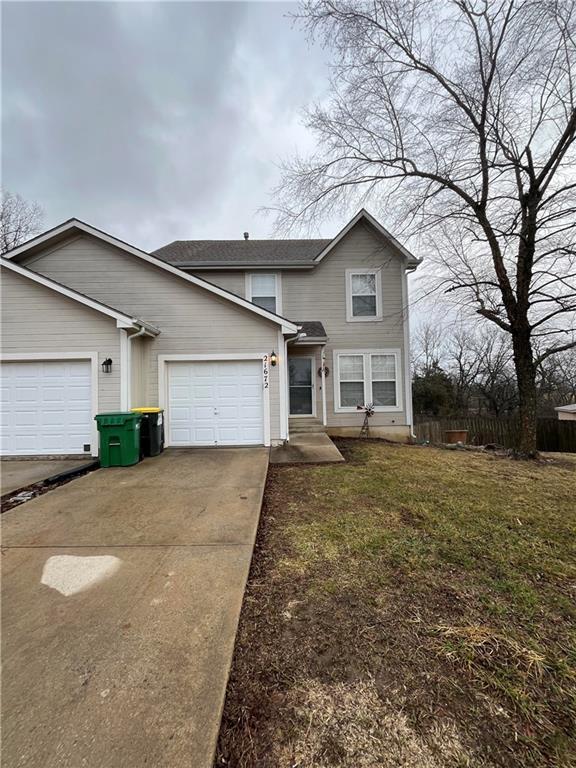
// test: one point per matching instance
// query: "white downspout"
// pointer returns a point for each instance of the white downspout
(283, 394)
(407, 369)
(323, 383)
(287, 381)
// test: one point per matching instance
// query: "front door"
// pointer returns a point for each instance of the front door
(301, 373)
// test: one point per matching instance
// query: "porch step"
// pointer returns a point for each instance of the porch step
(299, 425)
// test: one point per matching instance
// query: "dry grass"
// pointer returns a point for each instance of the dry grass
(413, 607)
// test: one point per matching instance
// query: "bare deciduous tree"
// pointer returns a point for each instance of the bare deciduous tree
(458, 119)
(19, 220)
(479, 363)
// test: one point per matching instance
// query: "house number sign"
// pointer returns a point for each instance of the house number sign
(265, 371)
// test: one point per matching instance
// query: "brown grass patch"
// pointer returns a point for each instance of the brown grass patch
(413, 607)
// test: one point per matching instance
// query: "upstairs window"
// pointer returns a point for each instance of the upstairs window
(263, 289)
(363, 292)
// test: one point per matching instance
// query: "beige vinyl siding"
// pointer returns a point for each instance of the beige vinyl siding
(235, 282)
(36, 320)
(192, 320)
(321, 295)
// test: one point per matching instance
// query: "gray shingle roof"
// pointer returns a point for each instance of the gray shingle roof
(312, 328)
(241, 252)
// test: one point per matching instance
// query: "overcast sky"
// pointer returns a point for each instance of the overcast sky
(154, 121)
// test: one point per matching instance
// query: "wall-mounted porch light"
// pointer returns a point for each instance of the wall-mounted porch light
(107, 365)
(273, 358)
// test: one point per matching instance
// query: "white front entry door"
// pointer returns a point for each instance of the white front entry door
(46, 407)
(216, 403)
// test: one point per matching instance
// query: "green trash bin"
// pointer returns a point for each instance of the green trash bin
(119, 438)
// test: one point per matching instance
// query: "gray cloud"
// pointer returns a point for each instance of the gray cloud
(153, 121)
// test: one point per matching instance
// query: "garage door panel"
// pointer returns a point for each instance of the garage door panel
(46, 407)
(230, 390)
(53, 394)
(52, 418)
(203, 392)
(26, 394)
(229, 412)
(225, 403)
(28, 418)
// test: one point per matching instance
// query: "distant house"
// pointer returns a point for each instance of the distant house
(566, 412)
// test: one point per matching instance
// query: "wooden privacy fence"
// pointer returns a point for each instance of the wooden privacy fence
(553, 435)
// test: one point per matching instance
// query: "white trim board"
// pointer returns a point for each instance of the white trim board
(163, 401)
(76, 224)
(91, 356)
(407, 367)
(122, 320)
(125, 364)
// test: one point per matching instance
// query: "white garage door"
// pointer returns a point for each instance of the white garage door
(216, 403)
(46, 407)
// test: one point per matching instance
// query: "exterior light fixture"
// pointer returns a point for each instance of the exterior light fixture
(107, 365)
(273, 358)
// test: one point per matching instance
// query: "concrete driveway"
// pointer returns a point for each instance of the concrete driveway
(121, 597)
(18, 473)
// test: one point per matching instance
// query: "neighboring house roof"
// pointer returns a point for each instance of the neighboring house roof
(218, 254)
(239, 253)
(571, 408)
(62, 231)
(122, 320)
(312, 329)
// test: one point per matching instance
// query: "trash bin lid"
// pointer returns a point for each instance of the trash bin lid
(147, 410)
(117, 418)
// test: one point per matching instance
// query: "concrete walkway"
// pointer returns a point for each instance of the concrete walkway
(121, 597)
(19, 473)
(306, 448)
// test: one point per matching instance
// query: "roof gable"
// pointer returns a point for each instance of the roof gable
(270, 254)
(363, 215)
(63, 231)
(122, 320)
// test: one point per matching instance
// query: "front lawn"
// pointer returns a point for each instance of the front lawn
(412, 608)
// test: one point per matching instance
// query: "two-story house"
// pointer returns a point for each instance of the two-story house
(240, 341)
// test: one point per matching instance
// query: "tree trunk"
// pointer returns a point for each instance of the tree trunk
(526, 378)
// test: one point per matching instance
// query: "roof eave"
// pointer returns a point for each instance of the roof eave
(241, 265)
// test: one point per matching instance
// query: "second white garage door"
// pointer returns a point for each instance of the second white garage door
(216, 403)
(45, 407)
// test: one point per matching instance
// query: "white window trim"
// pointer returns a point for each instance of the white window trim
(378, 276)
(367, 379)
(278, 278)
(164, 401)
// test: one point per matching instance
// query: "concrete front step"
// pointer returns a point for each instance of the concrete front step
(296, 426)
(313, 448)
